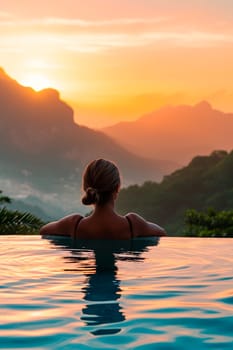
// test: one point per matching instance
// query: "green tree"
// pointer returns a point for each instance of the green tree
(13, 221)
(211, 223)
(207, 181)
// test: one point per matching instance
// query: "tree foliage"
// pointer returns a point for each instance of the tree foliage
(14, 221)
(206, 182)
(210, 223)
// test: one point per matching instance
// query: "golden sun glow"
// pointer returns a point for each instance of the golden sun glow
(36, 81)
(135, 58)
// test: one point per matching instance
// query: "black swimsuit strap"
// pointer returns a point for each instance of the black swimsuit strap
(76, 225)
(130, 226)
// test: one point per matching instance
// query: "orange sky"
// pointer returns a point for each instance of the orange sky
(114, 60)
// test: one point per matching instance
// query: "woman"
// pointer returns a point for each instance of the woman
(101, 184)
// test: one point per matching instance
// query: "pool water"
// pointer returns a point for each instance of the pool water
(176, 293)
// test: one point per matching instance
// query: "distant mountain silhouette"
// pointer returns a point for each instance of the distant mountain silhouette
(44, 150)
(177, 133)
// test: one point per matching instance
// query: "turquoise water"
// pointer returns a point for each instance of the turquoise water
(176, 293)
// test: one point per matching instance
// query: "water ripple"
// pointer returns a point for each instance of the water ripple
(57, 295)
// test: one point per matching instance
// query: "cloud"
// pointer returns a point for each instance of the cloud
(20, 190)
(98, 42)
(102, 23)
(76, 22)
(189, 38)
(67, 34)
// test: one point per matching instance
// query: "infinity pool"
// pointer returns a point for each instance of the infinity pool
(176, 293)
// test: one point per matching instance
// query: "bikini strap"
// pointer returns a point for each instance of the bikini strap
(130, 226)
(76, 226)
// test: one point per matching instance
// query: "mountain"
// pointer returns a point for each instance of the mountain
(177, 133)
(43, 151)
(207, 182)
(44, 210)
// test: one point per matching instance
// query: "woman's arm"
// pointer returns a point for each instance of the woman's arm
(143, 228)
(62, 227)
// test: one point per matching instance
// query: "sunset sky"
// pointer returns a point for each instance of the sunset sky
(114, 60)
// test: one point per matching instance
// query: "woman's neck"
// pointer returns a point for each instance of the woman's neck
(107, 208)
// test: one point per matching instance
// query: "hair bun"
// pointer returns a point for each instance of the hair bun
(91, 196)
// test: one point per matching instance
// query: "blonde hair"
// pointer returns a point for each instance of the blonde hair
(101, 179)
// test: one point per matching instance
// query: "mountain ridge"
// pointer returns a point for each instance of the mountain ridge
(176, 132)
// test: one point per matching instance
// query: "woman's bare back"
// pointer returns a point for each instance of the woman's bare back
(103, 227)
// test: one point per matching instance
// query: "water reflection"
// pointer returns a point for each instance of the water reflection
(97, 260)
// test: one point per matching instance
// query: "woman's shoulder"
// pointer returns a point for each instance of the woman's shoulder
(138, 223)
(65, 226)
(142, 227)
